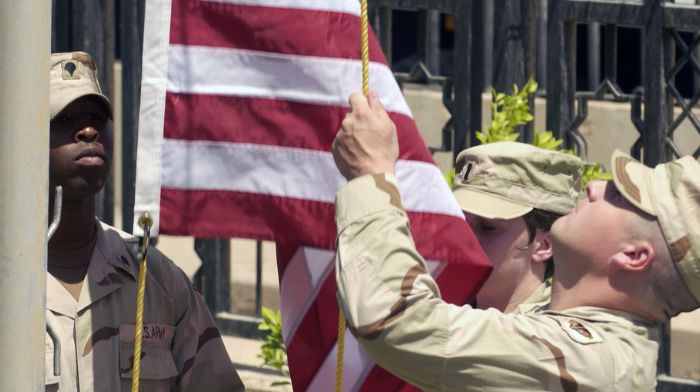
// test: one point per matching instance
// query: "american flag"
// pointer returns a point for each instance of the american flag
(240, 102)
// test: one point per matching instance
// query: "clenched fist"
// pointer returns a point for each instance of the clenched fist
(367, 142)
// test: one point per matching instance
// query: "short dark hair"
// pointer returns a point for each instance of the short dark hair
(540, 220)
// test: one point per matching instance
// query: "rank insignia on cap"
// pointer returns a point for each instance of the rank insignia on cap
(579, 332)
(466, 171)
(70, 68)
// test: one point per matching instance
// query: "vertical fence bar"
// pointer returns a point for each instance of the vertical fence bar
(429, 39)
(474, 85)
(541, 66)
(593, 60)
(479, 27)
(515, 28)
(561, 71)
(132, 15)
(61, 26)
(258, 278)
(486, 16)
(385, 29)
(610, 52)
(464, 116)
(215, 254)
(25, 43)
(653, 79)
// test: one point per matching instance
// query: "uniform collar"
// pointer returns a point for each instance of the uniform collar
(596, 314)
(536, 301)
(111, 264)
(58, 299)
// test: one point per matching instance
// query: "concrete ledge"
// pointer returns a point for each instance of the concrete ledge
(243, 353)
(238, 325)
(673, 384)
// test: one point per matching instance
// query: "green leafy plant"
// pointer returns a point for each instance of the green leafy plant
(450, 178)
(273, 352)
(509, 111)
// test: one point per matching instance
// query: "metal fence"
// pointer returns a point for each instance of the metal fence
(664, 54)
(532, 38)
(496, 42)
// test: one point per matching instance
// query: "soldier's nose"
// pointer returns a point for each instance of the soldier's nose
(595, 190)
(87, 134)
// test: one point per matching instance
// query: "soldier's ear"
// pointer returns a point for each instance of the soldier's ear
(543, 247)
(634, 257)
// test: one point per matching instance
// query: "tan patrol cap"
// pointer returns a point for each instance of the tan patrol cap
(506, 180)
(671, 193)
(73, 75)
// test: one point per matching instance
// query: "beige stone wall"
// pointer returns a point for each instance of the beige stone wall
(607, 127)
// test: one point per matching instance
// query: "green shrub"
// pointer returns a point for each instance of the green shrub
(511, 111)
(508, 112)
(273, 352)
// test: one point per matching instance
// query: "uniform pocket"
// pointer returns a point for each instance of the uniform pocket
(157, 364)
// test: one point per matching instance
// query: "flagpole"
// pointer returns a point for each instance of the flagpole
(24, 160)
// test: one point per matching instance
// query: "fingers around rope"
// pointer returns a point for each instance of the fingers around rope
(376, 105)
(358, 102)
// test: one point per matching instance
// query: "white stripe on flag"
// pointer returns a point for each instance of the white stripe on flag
(153, 85)
(264, 169)
(356, 362)
(356, 366)
(344, 6)
(318, 80)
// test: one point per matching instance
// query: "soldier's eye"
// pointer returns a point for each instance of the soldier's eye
(96, 116)
(61, 118)
(487, 227)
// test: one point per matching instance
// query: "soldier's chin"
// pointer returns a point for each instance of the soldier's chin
(81, 190)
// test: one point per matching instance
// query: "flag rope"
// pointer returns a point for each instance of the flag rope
(145, 223)
(365, 47)
(364, 36)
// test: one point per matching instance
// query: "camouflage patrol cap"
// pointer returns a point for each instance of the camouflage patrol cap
(506, 180)
(671, 193)
(74, 75)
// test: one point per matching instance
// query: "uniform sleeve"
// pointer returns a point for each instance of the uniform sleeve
(200, 356)
(390, 301)
(393, 307)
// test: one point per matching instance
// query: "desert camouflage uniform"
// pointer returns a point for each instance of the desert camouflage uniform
(393, 306)
(182, 348)
(539, 299)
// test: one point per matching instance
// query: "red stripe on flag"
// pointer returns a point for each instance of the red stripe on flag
(234, 119)
(222, 214)
(315, 336)
(292, 31)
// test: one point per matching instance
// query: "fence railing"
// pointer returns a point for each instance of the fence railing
(496, 42)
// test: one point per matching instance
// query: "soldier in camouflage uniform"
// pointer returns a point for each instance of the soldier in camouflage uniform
(93, 271)
(511, 193)
(626, 257)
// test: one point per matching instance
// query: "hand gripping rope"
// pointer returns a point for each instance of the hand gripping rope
(145, 222)
(365, 91)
